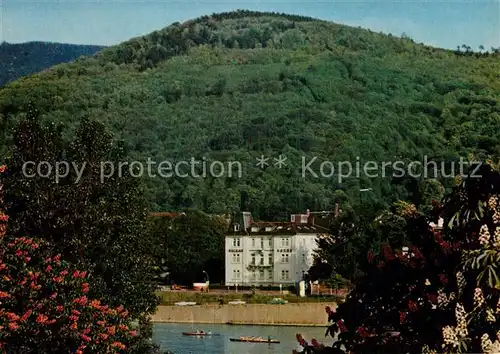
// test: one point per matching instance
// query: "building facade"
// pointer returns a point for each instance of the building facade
(270, 253)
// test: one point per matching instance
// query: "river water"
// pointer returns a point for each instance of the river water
(169, 336)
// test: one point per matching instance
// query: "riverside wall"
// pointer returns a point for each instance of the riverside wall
(296, 314)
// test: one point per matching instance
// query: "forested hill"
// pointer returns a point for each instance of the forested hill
(239, 85)
(21, 59)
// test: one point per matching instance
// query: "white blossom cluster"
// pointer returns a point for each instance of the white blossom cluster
(450, 337)
(427, 350)
(484, 235)
(486, 343)
(484, 232)
(488, 346)
(493, 202)
(478, 297)
(454, 335)
(494, 205)
(442, 299)
(461, 282)
(461, 321)
(496, 238)
(490, 316)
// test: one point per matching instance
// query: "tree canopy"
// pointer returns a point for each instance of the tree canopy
(98, 226)
(235, 86)
(189, 244)
(23, 59)
(442, 295)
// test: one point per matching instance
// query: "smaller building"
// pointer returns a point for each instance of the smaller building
(271, 253)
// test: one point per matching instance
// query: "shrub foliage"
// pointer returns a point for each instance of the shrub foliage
(442, 296)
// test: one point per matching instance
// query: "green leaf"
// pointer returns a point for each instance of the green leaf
(480, 277)
(481, 209)
(497, 280)
(452, 220)
(491, 272)
(481, 257)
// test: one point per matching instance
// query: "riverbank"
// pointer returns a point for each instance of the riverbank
(257, 297)
(309, 314)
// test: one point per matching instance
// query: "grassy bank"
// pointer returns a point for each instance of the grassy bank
(171, 297)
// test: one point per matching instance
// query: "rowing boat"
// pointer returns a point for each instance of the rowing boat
(254, 340)
(197, 334)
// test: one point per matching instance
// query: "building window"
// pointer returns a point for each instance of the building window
(262, 242)
(285, 242)
(236, 242)
(285, 275)
(236, 274)
(236, 258)
(253, 242)
(270, 259)
(262, 260)
(270, 275)
(253, 259)
(284, 258)
(261, 274)
(304, 258)
(254, 275)
(270, 242)
(236, 227)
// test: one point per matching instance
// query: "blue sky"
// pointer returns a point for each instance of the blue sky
(440, 23)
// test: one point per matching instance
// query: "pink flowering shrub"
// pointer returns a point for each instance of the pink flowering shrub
(44, 307)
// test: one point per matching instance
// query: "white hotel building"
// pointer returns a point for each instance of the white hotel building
(271, 253)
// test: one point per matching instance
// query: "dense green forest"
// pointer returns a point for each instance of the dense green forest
(235, 86)
(21, 59)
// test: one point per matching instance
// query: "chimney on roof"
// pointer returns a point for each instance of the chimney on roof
(247, 219)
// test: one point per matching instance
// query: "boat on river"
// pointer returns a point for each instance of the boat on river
(254, 340)
(197, 333)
